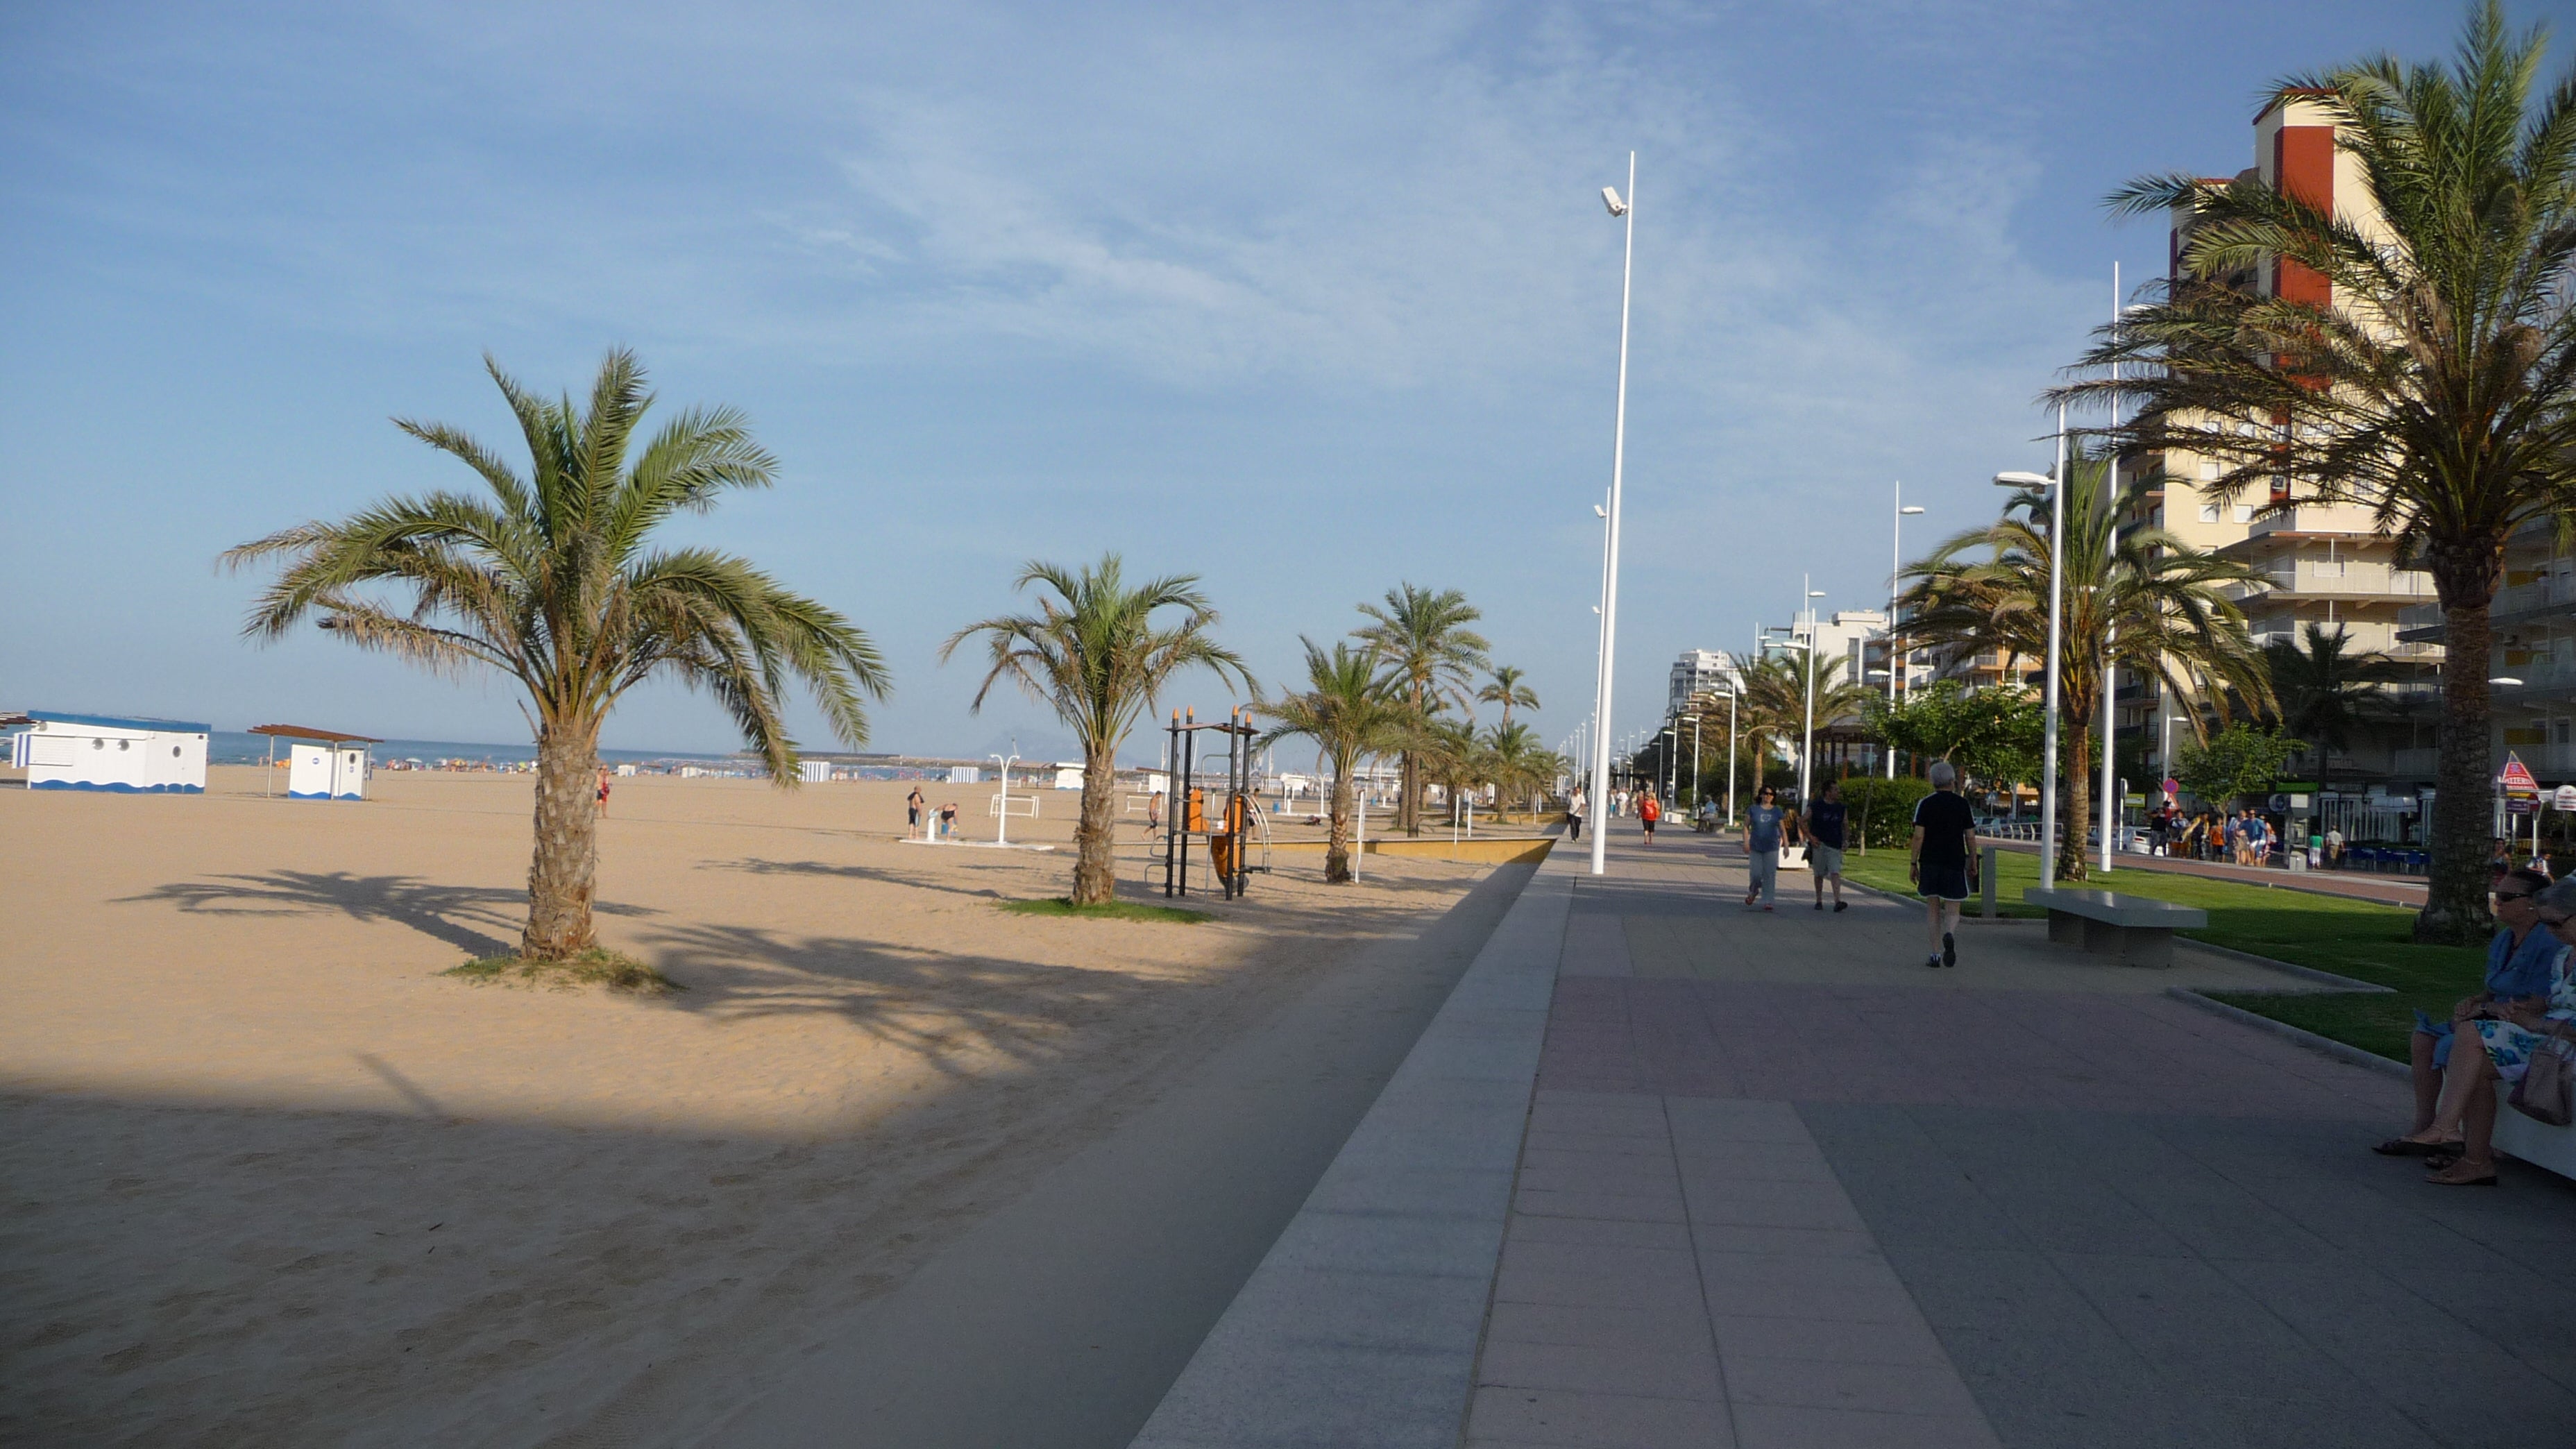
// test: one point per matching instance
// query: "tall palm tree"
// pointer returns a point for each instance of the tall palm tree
(2435, 384)
(1508, 690)
(551, 581)
(1351, 712)
(1095, 654)
(2145, 600)
(2325, 693)
(1423, 637)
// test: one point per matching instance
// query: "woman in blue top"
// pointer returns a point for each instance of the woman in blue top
(1762, 844)
(2521, 962)
(2496, 1046)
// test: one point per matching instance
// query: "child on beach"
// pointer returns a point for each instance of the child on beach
(603, 792)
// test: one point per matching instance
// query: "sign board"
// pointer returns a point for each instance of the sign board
(2172, 785)
(2565, 799)
(2279, 802)
(2516, 779)
(2298, 802)
(2520, 806)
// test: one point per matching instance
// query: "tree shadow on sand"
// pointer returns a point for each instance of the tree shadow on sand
(937, 1005)
(881, 875)
(459, 916)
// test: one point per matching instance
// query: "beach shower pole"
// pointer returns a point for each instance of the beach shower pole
(1620, 207)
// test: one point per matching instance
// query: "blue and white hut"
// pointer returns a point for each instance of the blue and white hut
(121, 754)
(320, 764)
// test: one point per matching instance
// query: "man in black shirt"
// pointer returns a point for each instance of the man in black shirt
(1944, 847)
(1825, 820)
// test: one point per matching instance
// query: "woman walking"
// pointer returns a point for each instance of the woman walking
(1649, 810)
(1762, 847)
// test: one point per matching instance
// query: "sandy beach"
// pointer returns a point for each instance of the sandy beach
(272, 1177)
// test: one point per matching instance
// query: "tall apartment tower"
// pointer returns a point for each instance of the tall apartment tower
(2319, 564)
(1696, 671)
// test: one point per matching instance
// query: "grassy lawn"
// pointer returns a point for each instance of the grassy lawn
(2361, 939)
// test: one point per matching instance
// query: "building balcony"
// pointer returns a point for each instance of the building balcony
(2343, 580)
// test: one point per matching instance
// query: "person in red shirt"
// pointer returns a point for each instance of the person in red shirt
(1649, 810)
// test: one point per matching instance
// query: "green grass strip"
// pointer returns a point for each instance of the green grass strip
(597, 966)
(1105, 911)
(2365, 940)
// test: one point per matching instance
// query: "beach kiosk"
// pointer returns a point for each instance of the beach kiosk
(320, 764)
(119, 754)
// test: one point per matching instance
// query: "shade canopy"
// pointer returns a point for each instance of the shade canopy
(300, 732)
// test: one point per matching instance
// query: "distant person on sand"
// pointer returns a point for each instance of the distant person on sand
(603, 792)
(912, 807)
(1154, 812)
(948, 818)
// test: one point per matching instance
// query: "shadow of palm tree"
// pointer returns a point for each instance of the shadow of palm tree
(880, 874)
(941, 1006)
(456, 915)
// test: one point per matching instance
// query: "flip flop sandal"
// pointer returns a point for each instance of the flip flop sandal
(2441, 1179)
(2407, 1147)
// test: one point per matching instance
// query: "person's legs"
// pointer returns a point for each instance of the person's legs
(1932, 927)
(1949, 926)
(1770, 878)
(2428, 1079)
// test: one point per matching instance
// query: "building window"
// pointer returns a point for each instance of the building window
(2209, 513)
(2245, 513)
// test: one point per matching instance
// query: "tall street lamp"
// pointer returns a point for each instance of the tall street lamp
(2056, 572)
(1807, 746)
(1626, 208)
(1896, 567)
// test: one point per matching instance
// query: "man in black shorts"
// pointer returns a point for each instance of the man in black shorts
(1945, 845)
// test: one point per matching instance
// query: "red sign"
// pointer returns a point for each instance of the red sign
(2516, 779)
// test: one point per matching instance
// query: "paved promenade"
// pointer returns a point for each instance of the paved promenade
(1782, 1185)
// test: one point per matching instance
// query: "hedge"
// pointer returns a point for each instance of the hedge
(1882, 811)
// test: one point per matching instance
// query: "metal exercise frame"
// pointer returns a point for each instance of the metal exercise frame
(1236, 815)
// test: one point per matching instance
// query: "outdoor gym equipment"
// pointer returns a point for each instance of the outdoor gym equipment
(1239, 816)
(1001, 807)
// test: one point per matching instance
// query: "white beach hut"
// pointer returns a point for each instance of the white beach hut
(321, 764)
(116, 753)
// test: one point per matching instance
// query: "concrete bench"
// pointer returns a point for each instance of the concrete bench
(2534, 1141)
(2135, 930)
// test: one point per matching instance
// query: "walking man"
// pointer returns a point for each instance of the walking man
(1762, 847)
(1824, 831)
(1944, 847)
(1574, 814)
(912, 811)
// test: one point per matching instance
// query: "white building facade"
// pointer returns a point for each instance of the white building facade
(1697, 672)
(117, 754)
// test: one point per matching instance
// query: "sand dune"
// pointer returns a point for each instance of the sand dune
(272, 1177)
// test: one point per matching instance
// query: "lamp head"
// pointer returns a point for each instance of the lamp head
(1600, 512)
(2023, 480)
(1910, 510)
(1610, 198)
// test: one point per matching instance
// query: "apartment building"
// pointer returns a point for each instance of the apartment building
(1696, 672)
(2534, 621)
(2318, 564)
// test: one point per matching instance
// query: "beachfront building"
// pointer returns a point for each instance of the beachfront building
(2319, 564)
(2534, 623)
(120, 754)
(322, 764)
(1698, 672)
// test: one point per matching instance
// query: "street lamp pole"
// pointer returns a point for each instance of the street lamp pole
(1895, 570)
(1731, 696)
(2056, 486)
(1807, 746)
(1620, 207)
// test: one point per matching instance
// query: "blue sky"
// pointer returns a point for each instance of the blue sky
(1304, 299)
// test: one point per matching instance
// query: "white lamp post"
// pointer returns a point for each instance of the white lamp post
(1896, 567)
(2056, 571)
(1618, 464)
(1807, 746)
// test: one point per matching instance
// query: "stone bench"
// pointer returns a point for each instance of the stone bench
(2534, 1141)
(2135, 930)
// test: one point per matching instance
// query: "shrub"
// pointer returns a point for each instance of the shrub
(1882, 811)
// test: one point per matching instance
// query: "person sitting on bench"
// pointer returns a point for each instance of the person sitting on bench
(2520, 963)
(2507, 1033)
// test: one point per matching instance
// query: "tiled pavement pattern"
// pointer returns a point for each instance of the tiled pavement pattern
(1783, 1186)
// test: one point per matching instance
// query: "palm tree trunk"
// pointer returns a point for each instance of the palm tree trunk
(2075, 802)
(1095, 870)
(1337, 841)
(1409, 813)
(2455, 901)
(564, 877)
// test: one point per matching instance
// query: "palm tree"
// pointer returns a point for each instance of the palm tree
(1423, 637)
(1095, 653)
(1772, 712)
(2145, 599)
(1515, 762)
(2434, 385)
(550, 581)
(1351, 713)
(1507, 690)
(1451, 756)
(2323, 692)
